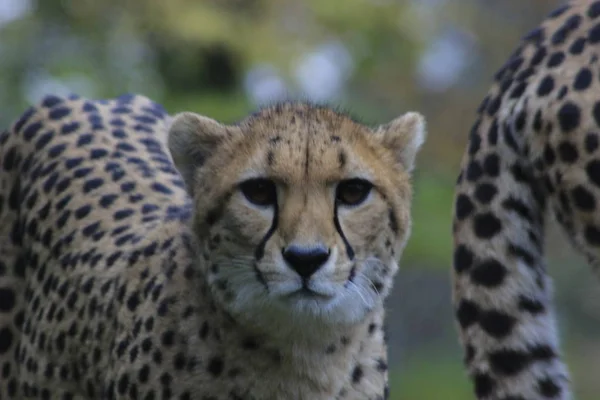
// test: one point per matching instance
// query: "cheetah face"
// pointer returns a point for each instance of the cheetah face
(303, 211)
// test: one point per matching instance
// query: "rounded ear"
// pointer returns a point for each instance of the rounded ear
(192, 139)
(404, 136)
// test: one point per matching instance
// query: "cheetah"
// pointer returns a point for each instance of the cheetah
(149, 256)
(534, 146)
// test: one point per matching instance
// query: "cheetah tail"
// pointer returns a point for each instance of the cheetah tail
(501, 292)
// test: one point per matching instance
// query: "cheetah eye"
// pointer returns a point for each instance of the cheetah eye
(352, 192)
(259, 191)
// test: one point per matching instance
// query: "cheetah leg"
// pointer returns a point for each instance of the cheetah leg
(502, 294)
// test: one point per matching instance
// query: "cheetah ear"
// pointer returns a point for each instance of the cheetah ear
(404, 136)
(192, 139)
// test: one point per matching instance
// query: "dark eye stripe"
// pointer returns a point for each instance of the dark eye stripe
(338, 227)
(260, 249)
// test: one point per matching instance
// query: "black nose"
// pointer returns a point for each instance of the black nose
(305, 260)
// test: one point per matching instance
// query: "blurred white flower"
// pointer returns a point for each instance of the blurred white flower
(11, 10)
(322, 74)
(264, 85)
(445, 60)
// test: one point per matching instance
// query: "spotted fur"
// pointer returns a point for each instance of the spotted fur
(533, 148)
(121, 280)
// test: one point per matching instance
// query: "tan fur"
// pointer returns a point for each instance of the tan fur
(307, 151)
(112, 289)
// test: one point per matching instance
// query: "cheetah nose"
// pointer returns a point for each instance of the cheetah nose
(305, 260)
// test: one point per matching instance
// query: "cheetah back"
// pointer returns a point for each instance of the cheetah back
(83, 187)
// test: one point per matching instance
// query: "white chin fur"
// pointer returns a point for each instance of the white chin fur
(282, 305)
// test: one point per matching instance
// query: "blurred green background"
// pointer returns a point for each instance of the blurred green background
(376, 58)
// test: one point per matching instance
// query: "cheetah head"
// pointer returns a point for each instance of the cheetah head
(302, 212)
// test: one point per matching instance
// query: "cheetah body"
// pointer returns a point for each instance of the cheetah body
(115, 283)
(533, 148)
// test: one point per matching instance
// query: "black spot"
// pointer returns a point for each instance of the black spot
(530, 305)
(538, 56)
(69, 127)
(485, 192)
(562, 92)
(98, 153)
(555, 59)
(85, 140)
(518, 90)
(215, 366)
(549, 155)
(536, 35)
(559, 11)
(484, 385)
(467, 313)
(493, 133)
(569, 116)
(546, 86)
(474, 171)
(520, 121)
(593, 171)
(567, 152)
(542, 353)
(168, 338)
(464, 206)
(508, 362)
(486, 225)
(83, 211)
(493, 106)
(31, 130)
(491, 165)
(496, 323)
(463, 258)
(483, 105)
(583, 79)
(179, 361)
(133, 301)
(122, 214)
(488, 273)
(123, 384)
(7, 299)
(43, 140)
(591, 142)
(469, 354)
(6, 339)
(520, 252)
(592, 235)
(570, 25)
(9, 159)
(583, 198)
(577, 46)
(594, 10)
(107, 200)
(92, 184)
(548, 388)
(517, 206)
(59, 113)
(594, 34)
